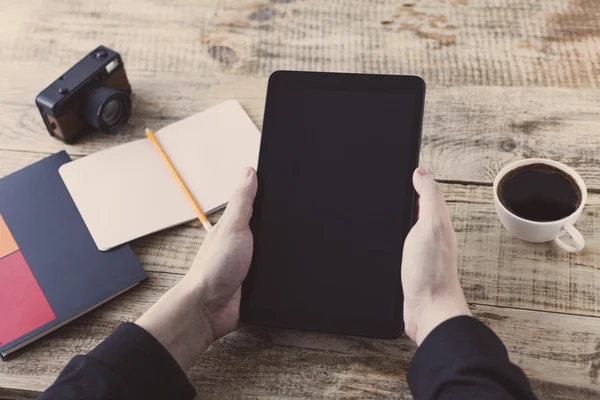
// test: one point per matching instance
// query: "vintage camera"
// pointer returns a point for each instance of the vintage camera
(93, 94)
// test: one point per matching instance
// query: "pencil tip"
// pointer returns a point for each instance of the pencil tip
(147, 130)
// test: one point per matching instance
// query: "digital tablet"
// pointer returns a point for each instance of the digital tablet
(335, 202)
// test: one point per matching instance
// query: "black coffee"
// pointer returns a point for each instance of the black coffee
(539, 192)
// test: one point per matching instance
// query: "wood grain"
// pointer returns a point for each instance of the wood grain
(448, 42)
(495, 268)
(559, 353)
(469, 133)
(499, 269)
(507, 79)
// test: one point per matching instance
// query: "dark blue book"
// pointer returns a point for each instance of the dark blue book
(51, 271)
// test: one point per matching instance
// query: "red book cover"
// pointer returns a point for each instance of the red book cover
(23, 306)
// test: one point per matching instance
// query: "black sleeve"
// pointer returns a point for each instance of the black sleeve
(130, 364)
(464, 359)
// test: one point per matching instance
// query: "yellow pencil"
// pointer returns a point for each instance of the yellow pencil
(199, 213)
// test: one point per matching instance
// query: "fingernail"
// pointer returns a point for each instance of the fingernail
(247, 172)
(422, 171)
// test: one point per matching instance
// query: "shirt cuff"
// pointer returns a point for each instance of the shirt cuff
(453, 340)
(143, 365)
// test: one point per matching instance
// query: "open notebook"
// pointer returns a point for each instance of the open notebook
(126, 192)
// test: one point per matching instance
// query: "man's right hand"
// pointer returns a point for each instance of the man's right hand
(432, 291)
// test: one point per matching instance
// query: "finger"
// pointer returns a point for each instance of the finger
(239, 210)
(431, 198)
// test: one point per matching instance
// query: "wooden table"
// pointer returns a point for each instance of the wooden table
(507, 79)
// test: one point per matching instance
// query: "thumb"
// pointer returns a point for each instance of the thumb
(431, 199)
(239, 210)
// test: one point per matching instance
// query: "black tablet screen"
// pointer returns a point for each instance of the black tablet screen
(330, 214)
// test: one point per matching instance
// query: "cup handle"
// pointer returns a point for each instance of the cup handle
(577, 238)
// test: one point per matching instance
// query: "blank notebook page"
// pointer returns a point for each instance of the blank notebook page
(126, 192)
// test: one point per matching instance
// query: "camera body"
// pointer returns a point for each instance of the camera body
(93, 95)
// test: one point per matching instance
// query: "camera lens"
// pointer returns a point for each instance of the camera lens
(112, 112)
(107, 109)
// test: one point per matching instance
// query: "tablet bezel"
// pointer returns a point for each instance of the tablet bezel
(282, 80)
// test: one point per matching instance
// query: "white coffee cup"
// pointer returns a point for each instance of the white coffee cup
(538, 232)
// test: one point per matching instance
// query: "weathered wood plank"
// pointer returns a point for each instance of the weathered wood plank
(495, 268)
(469, 133)
(499, 269)
(449, 42)
(559, 352)
(200, 53)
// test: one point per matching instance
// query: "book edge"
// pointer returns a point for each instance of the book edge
(19, 346)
